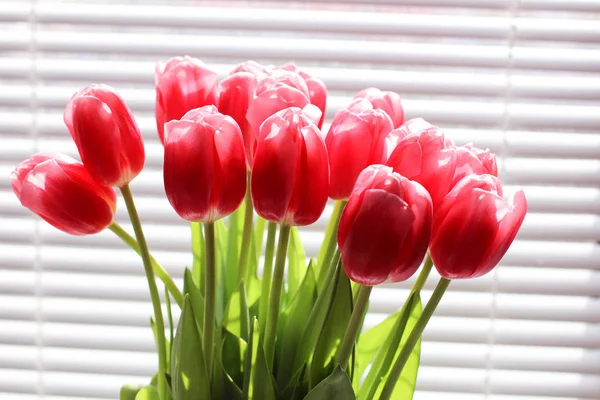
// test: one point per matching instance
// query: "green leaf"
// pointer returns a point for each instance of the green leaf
(297, 263)
(297, 387)
(198, 254)
(234, 353)
(333, 331)
(254, 284)
(196, 298)
(237, 309)
(231, 391)
(405, 387)
(262, 386)
(314, 323)
(189, 375)
(294, 320)
(147, 393)
(171, 327)
(336, 386)
(390, 340)
(129, 391)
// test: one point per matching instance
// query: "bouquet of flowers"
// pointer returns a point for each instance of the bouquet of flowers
(246, 163)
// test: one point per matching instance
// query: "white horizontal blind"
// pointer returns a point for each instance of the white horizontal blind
(519, 76)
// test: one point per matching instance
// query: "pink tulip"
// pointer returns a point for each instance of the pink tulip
(316, 88)
(234, 97)
(270, 93)
(474, 227)
(62, 192)
(386, 101)
(425, 155)
(385, 227)
(182, 84)
(106, 135)
(290, 176)
(356, 139)
(204, 167)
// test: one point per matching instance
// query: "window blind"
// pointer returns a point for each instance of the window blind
(519, 76)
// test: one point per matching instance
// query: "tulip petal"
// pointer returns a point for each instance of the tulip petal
(462, 239)
(372, 245)
(346, 142)
(232, 168)
(189, 168)
(275, 167)
(312, 184)
(52, 194)
(508, 229)
(99, 139)
(414, 247)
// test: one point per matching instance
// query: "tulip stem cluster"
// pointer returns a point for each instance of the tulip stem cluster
(156, 304)
(413, 338)
(209, 292)
(160, 272)
(267, 274)
(358, 313)
(275, 294)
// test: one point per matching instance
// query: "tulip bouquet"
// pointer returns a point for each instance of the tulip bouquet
(246, 163)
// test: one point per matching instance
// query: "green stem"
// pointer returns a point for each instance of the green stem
(423, 275)
(412, 340)
(360, 308)
(209, 293)
(246, 235)
(275, 295)
(267, 276)
(156, 304)
(158, 269)
(330, 242)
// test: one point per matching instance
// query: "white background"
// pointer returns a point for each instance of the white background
(520, 77)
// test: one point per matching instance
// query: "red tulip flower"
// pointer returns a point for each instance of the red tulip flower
(106, 135)
(290, 176)
(61, 191)
(271, 93)
(474, 227)
(204, 166)
(182, 84)
(356, 139)
(386, 101)
(316, 89)
(235, 94)
(385, 227)
(425, 155)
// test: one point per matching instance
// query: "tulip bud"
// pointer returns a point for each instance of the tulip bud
(62, 192)
(270, 93)
(356, 139)
(316, 89)
(385, 227)
(386, 101)
(474, 227)
(234, 95)
(425, 155)
(106, 135)
(290, 176)
(204, 166)
(182, 84)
